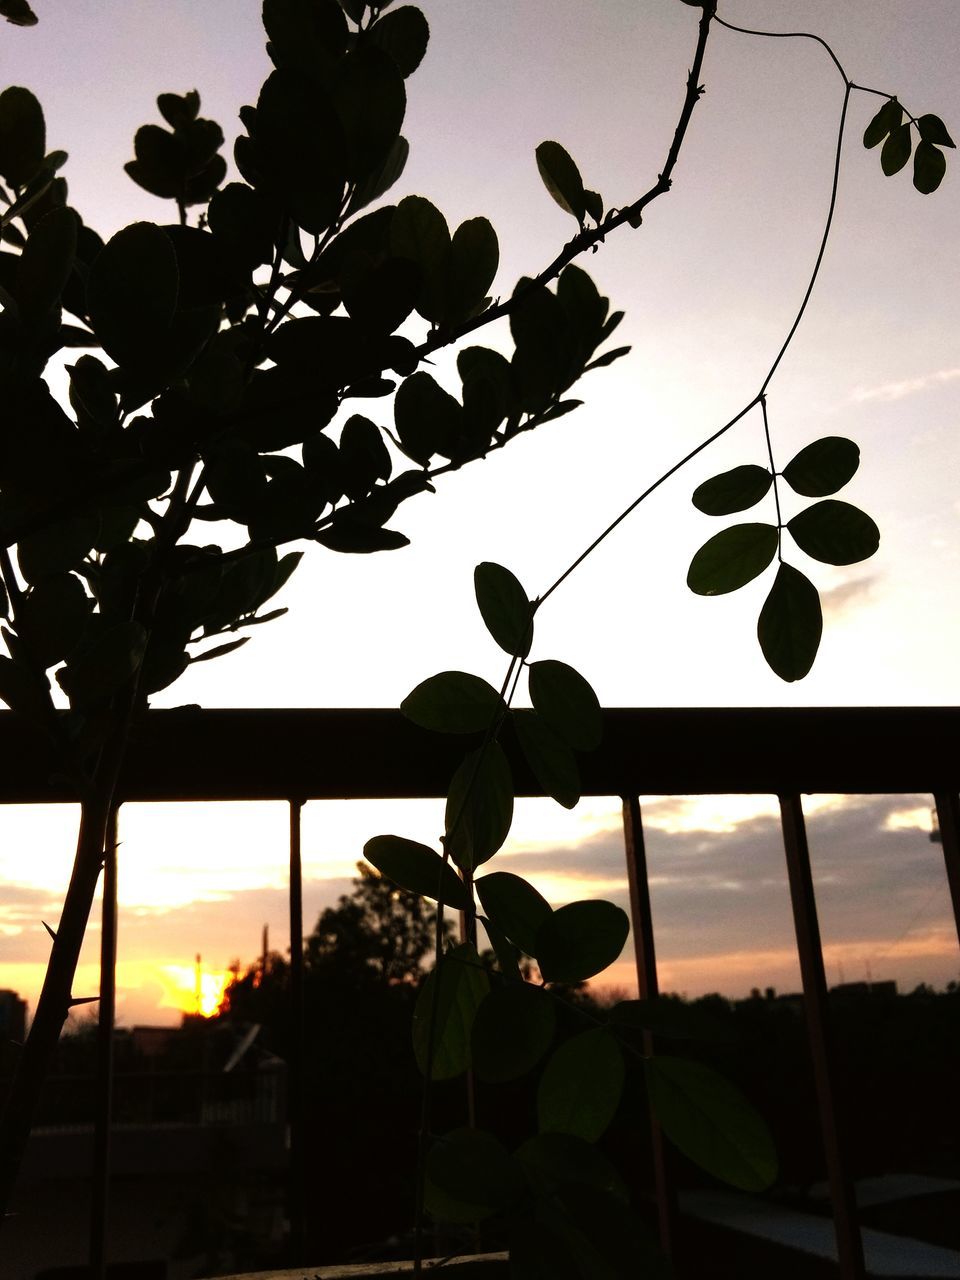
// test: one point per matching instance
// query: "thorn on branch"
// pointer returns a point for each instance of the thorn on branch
(52, 932)
(75, 1000)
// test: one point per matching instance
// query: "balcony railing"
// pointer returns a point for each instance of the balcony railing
(302, 755)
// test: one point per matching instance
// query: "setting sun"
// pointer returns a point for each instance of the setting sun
(192, 990)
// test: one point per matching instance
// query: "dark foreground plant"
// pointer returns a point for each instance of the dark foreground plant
(231, 347)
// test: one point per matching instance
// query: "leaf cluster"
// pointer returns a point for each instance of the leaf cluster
(833, 532)
(929, 159)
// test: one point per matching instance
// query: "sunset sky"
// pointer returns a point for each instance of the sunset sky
(710, 285)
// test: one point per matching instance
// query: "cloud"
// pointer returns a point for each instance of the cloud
(839, 600)
(889, 391)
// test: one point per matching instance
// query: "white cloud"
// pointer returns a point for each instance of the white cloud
(888, 391)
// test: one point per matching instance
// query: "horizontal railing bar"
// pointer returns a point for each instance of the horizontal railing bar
(193, 754)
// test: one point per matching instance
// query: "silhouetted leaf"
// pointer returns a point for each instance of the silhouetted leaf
(562, 178)
(52, 617)
(822, 467)
(553, 1160)
(711, 1122)
(790, 624)
(552, 762)
(419, 232)
(581, 1085)
(593, 202)
(890, 116)
(101, 669)
(580, 940)
(380, 180)
(381, 297)
(504, 607)
(514, 906)
(479, 807)
(929, 166)
(513, 1029)
(242, 219)
(896, 150)
(55, 548)
(18, 12)
(307, 34)
(179, 110)
(470, 1176)
(403, 34)
(932, 129)
(45, 264)
(463, 985)
(428, 419)
(360, 539)
(133, 291)
(22, 136)
(472, 263)
(734, 490)
(835, 532)
(370, 101)
(732, 558)
(567, 703)
(453, 702)
(416, 867)
(363, 456)
(24, 691)
(607, 358)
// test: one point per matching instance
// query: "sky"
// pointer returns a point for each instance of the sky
(709, 285)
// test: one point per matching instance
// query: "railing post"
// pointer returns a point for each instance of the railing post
(100, 1204)
(295, 1092)
(948, 820)
(641, 922)
(815, 1003)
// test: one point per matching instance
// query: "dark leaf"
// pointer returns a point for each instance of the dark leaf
(18, 12)
(562, 178)
(470, 1176)
(552, 762)
(416, 867)
(711, 1122)
(453, 702)
(133, 291)
(363, 456)
(554, 1160)
(822, 467)
(360, 539)
(380, 298)
(45, 265)
(479, 807)
(22, 136)
(513, 1029)
(428, 419)
(24, 691)
(581, 1085)
(732, 558)
(102, 668)
(896, 150)
(790, 624)
(380, 180)
(463, 985)
(932, 129)
(370, 101)
(419, 232)
(734, 490)
(929, 166)
(580, 940)
(567, 703)
(890, 116)
(53, 616)
(504, 607)
(514, 906)
(593, 203)
(178, 110)
(56, 548)
(242, 219)
(403, 34)
(472, 263)
(835, 532)
(308, 34)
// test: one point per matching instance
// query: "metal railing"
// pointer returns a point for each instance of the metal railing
(301, 755)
